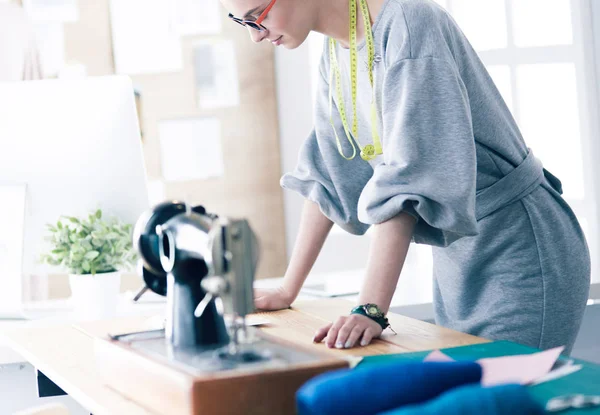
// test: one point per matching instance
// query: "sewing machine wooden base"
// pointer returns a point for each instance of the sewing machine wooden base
(166, 387)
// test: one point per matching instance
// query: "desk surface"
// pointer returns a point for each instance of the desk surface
(65, 352)
(55, 313)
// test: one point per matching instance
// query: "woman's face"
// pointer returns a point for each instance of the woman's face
(288, 22)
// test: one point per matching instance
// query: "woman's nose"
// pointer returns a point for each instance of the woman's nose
(257, 36)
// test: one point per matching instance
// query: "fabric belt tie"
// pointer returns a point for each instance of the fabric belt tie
(517, 184)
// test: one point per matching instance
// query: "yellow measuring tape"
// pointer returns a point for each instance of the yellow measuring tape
(369, 151)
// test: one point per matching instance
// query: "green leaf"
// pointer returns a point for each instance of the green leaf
(90, 256)
(97, 242)
(98, 213)
(59, 225)
(85, 266)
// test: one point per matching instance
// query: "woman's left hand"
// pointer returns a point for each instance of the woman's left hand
(349, 331)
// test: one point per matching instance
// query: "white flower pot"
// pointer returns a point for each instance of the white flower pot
(95, 296)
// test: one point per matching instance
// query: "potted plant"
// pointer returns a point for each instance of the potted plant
(94, 250)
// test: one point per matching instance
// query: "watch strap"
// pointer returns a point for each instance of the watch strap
(379, 319)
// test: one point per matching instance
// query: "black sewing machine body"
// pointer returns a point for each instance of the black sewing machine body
(185, 252)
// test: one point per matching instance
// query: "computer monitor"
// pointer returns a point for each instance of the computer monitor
(76, 146)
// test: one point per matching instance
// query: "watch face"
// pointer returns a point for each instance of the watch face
(372, 310)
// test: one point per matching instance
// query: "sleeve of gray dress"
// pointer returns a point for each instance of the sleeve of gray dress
(322, 175)
(428, 168)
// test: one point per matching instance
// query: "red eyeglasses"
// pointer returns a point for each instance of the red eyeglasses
(255, 24)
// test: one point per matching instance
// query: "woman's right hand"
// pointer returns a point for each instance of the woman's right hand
(272, 298)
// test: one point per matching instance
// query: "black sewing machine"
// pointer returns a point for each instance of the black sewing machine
(205, 265)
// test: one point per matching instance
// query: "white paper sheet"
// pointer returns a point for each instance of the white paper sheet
(12, 214)
(558, 373)
(52, 10)
(144, 40)
(191, 149)
(216, 75)
(50, 39)
(197, 17)
(251, 320)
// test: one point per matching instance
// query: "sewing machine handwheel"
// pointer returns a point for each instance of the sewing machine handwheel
(157, 283)
(146, 241)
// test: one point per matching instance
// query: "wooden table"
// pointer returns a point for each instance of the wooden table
(65, 353)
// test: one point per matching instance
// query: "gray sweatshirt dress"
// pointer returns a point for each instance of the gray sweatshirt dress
(510, 261)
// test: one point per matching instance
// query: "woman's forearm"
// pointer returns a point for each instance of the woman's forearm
(387, 253)
(314, 228)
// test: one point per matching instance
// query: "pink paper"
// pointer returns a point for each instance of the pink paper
(437, 356)
(523, 369)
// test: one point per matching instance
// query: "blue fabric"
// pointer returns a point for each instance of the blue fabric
(477, 400)
(382, 387)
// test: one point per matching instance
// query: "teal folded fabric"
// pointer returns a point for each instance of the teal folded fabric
(476, 400)
(378, 388)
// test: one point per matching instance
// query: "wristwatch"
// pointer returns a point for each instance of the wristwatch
(373, 312)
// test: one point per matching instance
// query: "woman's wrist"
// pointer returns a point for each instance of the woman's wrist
(373, 312)
(291, 289)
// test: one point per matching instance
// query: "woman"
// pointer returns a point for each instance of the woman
(442, 162)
